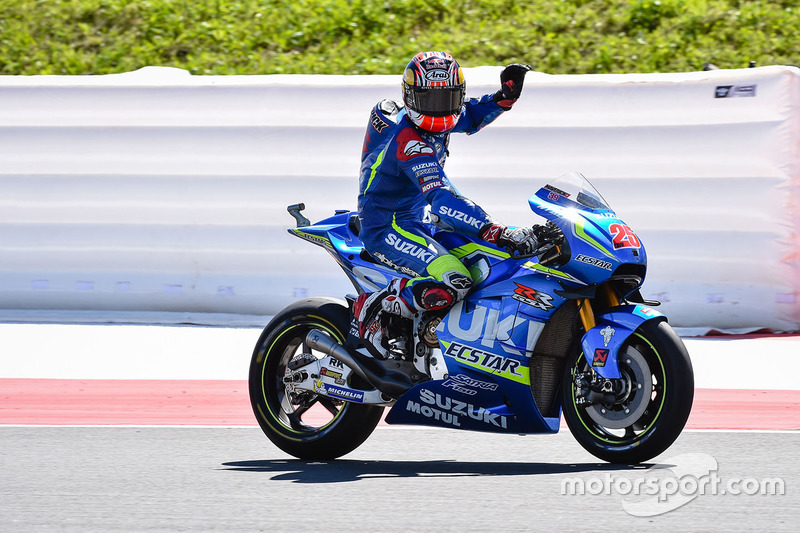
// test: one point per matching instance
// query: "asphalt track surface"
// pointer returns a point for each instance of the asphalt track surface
(172, 449)
(218, 479)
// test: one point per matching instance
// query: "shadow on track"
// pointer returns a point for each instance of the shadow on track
(343, 470)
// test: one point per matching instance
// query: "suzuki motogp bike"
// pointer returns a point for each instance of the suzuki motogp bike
(564, 330)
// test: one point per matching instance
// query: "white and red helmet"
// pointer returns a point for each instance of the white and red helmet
(434, 91)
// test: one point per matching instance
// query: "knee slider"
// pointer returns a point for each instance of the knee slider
(436, 295)
(459, 283)
(433, 295)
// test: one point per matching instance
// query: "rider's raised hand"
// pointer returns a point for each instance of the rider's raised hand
(511, 79)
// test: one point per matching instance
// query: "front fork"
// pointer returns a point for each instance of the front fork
(608, 322)
(590, 387)
(606, 296)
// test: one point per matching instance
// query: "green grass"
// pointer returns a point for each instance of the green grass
(373, 37)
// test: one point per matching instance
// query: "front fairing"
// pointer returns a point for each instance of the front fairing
(599, 240)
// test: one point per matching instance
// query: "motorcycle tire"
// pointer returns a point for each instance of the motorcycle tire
(636, 426)
(298, 424)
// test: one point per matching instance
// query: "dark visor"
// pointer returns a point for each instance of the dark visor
(436, 101)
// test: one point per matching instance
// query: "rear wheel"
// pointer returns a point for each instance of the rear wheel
(305, 425)
(635, 418)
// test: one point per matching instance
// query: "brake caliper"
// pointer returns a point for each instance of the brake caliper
(592, 389)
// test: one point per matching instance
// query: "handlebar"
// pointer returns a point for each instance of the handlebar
(551, 245)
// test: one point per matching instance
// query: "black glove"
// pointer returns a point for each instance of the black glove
(520, 240)
(511, 80)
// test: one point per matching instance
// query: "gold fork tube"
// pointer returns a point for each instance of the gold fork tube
(610, 295)
(586, 313)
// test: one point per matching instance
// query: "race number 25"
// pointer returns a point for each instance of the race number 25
(624, 237)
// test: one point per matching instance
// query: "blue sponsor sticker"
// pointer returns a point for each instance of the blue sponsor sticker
(345, 394)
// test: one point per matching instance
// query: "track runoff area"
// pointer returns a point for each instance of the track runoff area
(114, 375)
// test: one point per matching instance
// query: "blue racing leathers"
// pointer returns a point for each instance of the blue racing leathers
(402, 173)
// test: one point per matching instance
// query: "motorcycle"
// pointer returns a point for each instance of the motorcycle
(567, 334)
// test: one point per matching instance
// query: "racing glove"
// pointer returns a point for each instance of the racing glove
(511, 80)
(523, 241)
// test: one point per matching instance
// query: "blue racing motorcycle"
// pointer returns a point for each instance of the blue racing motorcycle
(562, 331)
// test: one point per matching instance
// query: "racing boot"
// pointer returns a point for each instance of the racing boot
(368, 308)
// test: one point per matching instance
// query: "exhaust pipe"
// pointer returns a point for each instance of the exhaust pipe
(390, 381)
(321, 341)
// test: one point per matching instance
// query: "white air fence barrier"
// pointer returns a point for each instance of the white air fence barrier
(163, 195)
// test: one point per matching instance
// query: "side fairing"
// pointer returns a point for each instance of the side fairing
(461, 401)
(487, 345)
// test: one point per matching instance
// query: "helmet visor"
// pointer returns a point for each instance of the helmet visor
(436, 101)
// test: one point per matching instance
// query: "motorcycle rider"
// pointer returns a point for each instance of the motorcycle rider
(402, 173)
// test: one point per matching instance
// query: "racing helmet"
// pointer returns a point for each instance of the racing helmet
(433, 91)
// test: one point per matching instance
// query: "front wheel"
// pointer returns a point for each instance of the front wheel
(305, 425)
(641, 414)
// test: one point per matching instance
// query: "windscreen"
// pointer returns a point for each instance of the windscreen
(574, 187)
